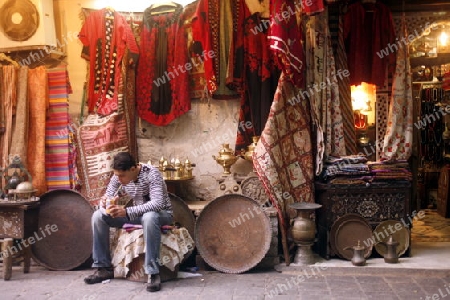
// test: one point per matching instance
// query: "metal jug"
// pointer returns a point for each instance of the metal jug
(358, 258)
(391, 256)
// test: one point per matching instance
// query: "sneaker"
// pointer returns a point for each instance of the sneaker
(100, 275)
(153, 283)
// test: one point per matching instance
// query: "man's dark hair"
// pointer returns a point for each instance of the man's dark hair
(123, 161)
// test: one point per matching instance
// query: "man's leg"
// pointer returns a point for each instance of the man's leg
(151, 223)
(101, 254)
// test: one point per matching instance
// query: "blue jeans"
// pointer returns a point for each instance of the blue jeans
(151, 224)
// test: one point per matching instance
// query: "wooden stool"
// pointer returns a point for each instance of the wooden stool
(7, 245)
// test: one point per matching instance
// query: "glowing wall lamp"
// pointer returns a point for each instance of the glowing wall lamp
(362, 97)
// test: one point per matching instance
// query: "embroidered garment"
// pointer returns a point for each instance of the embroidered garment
(397, 144)
(369, 36)
(162, 74)
(197, 80)
(283, 157)
(255, 74)
(286, 39)
(105, 35)
(205, 29)
(213, 28)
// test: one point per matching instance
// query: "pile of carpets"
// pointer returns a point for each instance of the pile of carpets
(391, 171)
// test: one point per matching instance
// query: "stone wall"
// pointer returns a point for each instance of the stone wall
(197, 135)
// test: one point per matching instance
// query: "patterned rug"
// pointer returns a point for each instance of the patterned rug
(431, 228)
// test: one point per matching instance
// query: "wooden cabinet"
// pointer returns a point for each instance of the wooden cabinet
(376, 203)
(443, 207)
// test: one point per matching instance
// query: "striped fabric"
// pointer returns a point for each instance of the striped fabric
(56, 131)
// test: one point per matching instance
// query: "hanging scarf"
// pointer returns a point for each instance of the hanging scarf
(322, 89)
(397, 144)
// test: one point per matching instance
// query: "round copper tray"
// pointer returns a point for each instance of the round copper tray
(232, 233)
(384, 230)
(346, 232)
(64, 238)
(182, 214)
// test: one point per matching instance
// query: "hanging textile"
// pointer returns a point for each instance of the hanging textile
(397, 144)
(224, 52)
(162, 76)
(312, 7)
(213, 28)
(57, 159)
(255, 74)
(99, 138)
(197, 81)
(283, 157)
(205, 29)
(19, 142)
(105, 35)
(8, 98)
(286, 40)
(38, 101)
(369, 36)
(322, 89)
(345, 97)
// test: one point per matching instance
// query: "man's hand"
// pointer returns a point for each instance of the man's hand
(116, 211)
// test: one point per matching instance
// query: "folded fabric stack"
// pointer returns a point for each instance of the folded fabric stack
(390, 171)
(344, 169)
(355, 169)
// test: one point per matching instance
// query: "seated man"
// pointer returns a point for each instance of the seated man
(150, 207)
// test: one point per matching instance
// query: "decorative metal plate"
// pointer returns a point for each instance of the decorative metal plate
(346, 232)
(233, 233)
(399, 233)
(252, 187)
(64, 238)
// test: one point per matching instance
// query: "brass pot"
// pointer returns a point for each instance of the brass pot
(303, 231)
(226, 158)
(248, 155)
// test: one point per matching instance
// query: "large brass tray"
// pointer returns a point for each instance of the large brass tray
(399, 233)
(233, 233)
(348, 231)
(64, 238)
(182, 214)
